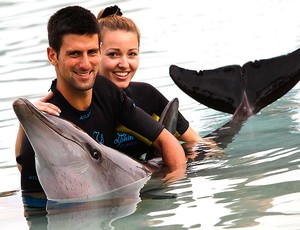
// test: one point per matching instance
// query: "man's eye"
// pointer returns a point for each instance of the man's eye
(74, 54)
(92, 52)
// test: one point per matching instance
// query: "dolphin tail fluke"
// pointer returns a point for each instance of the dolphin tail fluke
(269, 79)
(208, 86)
(226, 88)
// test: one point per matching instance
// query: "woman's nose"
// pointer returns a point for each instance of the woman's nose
(123, 62)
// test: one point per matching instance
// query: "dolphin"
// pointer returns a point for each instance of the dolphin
(72, 166)
(241, 90)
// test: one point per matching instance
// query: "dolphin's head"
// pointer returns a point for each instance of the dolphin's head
(69, 163)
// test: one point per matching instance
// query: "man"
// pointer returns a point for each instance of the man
(73, 34)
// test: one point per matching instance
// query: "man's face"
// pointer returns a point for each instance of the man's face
(77, 62)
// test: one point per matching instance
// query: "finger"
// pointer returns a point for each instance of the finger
(48, 108)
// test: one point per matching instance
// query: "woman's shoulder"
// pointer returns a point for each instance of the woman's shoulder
(146, 96)
(141, 87)
(140, 84)
(105, 87)
(101, 82)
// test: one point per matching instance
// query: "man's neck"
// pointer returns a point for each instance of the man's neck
(80, 100)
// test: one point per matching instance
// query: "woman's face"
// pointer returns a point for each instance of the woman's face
(119, 56)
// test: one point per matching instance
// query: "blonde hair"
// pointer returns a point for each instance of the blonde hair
(115, 21)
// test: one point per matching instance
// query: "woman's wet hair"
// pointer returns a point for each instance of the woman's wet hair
(111, 19)
(70, 20)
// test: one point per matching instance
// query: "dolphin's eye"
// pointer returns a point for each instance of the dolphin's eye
(96, 155)
(94, 152)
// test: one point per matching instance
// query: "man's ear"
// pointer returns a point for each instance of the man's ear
(52, 56)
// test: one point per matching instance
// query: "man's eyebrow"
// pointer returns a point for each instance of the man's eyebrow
(73, 51)
(80, 51)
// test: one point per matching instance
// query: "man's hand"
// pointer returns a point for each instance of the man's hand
(171, 176)
(172, 154)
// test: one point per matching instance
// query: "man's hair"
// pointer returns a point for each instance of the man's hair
(70, 20)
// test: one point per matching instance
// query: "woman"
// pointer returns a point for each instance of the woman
(119, 60)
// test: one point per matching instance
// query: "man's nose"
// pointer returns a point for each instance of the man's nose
(85, 62)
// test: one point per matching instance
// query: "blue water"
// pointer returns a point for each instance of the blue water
(255, 186)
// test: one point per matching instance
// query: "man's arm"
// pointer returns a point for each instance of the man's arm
(190, 136)
(172, 154)
(19, 138)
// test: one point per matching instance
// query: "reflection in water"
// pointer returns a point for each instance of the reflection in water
(89, 215)
(80, 215)
(102, 211)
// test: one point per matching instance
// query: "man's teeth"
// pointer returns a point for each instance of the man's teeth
(83, 74)
(121, 74)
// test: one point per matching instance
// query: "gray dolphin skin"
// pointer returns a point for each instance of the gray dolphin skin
(241, 90)
(169, 116)
(72, 166)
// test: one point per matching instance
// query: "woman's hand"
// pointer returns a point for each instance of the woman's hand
(47, 107)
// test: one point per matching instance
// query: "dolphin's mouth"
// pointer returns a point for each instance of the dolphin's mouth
(23, 106)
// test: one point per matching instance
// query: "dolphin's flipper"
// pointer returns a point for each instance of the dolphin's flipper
(259, 83)
(168, 119)
(169, 116)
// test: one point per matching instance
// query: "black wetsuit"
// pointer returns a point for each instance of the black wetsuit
(110, 106)
(153, 102)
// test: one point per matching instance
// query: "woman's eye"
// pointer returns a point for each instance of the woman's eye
(133, 54)
(112, 54)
